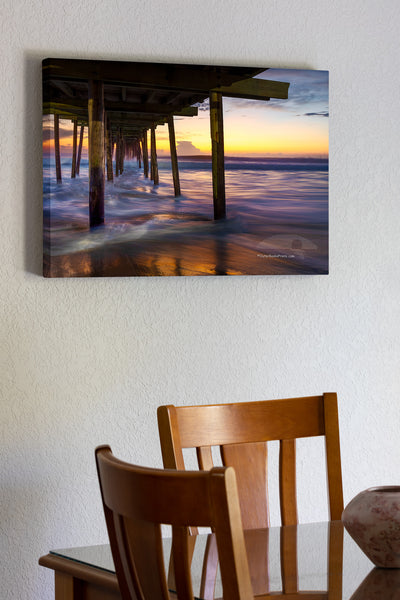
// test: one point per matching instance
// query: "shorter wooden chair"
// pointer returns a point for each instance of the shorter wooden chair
(137, 500)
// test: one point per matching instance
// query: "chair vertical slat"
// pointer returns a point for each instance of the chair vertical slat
(335, 560)
(182, 558)
(333, 460)
(204, 458)
(289, 568)
(191, 542)
(250, 464)
(210, 562)
(171, 448)
(128, 567)
(257, 548)
(287, 481)
(144, 558)
(236, 582)
(126, 587)
(205, 462)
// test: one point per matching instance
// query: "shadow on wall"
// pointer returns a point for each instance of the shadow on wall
(32, 163)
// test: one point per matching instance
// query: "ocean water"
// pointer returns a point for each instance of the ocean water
(277, 220)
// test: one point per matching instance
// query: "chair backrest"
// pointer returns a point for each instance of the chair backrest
(242, 431)
(137, 500)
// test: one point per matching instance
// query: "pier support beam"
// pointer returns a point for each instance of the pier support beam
(57, 147)
(117, 150)
(174, 156)
(109, 152)
(145, 153)
(121, 152)
(96, 152)
(154, 164)
(74, 148)
(218, 161)
(78, 160)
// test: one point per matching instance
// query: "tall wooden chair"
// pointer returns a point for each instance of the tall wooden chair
(242, 431)
(137, 500)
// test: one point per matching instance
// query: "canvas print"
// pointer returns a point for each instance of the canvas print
(153, 169)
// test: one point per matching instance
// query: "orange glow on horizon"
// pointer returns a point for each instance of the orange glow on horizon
(244, 135)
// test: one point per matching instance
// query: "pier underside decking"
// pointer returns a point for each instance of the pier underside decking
(120, 102)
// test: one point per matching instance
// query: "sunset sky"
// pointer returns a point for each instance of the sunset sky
(294, 127)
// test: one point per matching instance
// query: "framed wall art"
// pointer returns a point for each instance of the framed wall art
(153, 169)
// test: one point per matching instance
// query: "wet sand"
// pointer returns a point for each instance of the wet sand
(211, 257)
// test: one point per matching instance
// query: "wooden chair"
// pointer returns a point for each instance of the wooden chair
(242, 431)
(137, 500)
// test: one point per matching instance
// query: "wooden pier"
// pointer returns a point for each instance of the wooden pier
(121, 102)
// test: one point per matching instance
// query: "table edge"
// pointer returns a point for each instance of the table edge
(80, 571)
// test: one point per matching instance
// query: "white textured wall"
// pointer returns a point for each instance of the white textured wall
(87, 361)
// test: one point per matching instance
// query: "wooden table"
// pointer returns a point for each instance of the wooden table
(315, 561)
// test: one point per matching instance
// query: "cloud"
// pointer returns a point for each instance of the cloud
(317, 114)
(48, 133)
(65, 132)
(162, 135)
(307, 87)
(188, 148)
(205, 105)
(235, 103)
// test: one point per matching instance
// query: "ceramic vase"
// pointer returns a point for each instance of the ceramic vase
(380, 584)
(372, 519)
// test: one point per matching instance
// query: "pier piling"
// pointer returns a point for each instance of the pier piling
(218, 160)
(57, 147)
(96, 152)
(154, 164)
(117, 151)
(78, 159)
(145, 153)
(74, 147)
(174, 156)
(110, 176)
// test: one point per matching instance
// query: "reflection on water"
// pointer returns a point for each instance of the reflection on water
(277, 222)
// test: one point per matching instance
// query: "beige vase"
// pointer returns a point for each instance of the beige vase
(372, 519)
